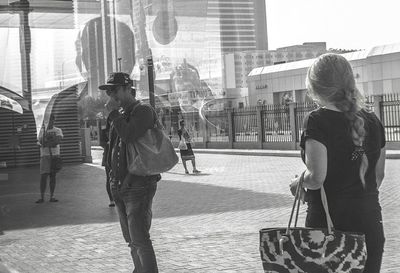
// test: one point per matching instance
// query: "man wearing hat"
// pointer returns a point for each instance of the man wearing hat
(133, 195)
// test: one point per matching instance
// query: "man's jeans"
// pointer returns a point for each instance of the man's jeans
(134, 200)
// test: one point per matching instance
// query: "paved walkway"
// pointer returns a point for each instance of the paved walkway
(202, 223)
(390, 154)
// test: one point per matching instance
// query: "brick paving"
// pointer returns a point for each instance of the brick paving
(202, 223)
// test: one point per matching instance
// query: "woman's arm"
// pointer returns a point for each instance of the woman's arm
(316, 160)
(317, 164)
(380, 168)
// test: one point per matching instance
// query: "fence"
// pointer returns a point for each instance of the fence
(281, 126)
(389, 106)
(275, 123)
(245, 125)
(217, 126)
(275, 126)
(301, 110)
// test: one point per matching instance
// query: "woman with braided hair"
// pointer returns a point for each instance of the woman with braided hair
(343, 150)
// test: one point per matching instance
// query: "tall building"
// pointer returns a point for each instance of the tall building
(242, 24)
(191, 37)
(239, 25)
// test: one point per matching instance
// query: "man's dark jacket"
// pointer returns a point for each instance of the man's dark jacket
(127, 127)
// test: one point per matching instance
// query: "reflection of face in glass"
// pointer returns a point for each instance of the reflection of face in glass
(91, 62)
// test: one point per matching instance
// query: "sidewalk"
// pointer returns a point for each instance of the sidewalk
(390, 154)
(203, 223)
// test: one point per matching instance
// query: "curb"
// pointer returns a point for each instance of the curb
(390, 154)
(283, 153)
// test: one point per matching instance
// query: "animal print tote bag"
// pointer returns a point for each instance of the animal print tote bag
(311, 250)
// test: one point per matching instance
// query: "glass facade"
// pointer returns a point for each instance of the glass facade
(48, 47)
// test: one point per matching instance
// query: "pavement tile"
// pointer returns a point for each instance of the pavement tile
(202, 223)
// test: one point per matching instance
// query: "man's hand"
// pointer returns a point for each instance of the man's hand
(112, 104)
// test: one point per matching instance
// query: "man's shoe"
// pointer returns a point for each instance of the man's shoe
(196, 171)
(53, 200)
(39, 201)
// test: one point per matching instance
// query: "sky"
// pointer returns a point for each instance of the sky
(345, 24)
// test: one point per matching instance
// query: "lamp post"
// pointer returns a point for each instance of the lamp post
(150, 74)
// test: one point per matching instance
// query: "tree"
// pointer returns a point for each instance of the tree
(91, 108)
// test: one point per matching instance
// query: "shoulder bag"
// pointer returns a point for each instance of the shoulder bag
(55, 162)
(182, 144)
(151, 154)
(307, 250)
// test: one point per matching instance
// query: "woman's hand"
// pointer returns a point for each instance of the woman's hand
(293, 185)
(293, 188)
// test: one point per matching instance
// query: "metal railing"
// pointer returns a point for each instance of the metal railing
(217, 126)
(369, 103)
(390, 116)
(301, 110)
(276, 123)
(193, 125)
(245, 126)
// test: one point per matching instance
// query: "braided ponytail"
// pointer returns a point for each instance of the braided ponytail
(330, 80)
(351, 110)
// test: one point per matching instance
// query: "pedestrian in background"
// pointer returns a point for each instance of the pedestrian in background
(185, 147)
(104, 143)
(133, 194)
(344, 152)
(49, 141)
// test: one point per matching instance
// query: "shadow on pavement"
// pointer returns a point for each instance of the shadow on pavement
(83, 199)
(80, 189)
(174, 198)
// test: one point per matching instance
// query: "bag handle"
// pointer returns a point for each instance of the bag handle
(326, 208)
(157, 123)
(285, 237)
(296, 205)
